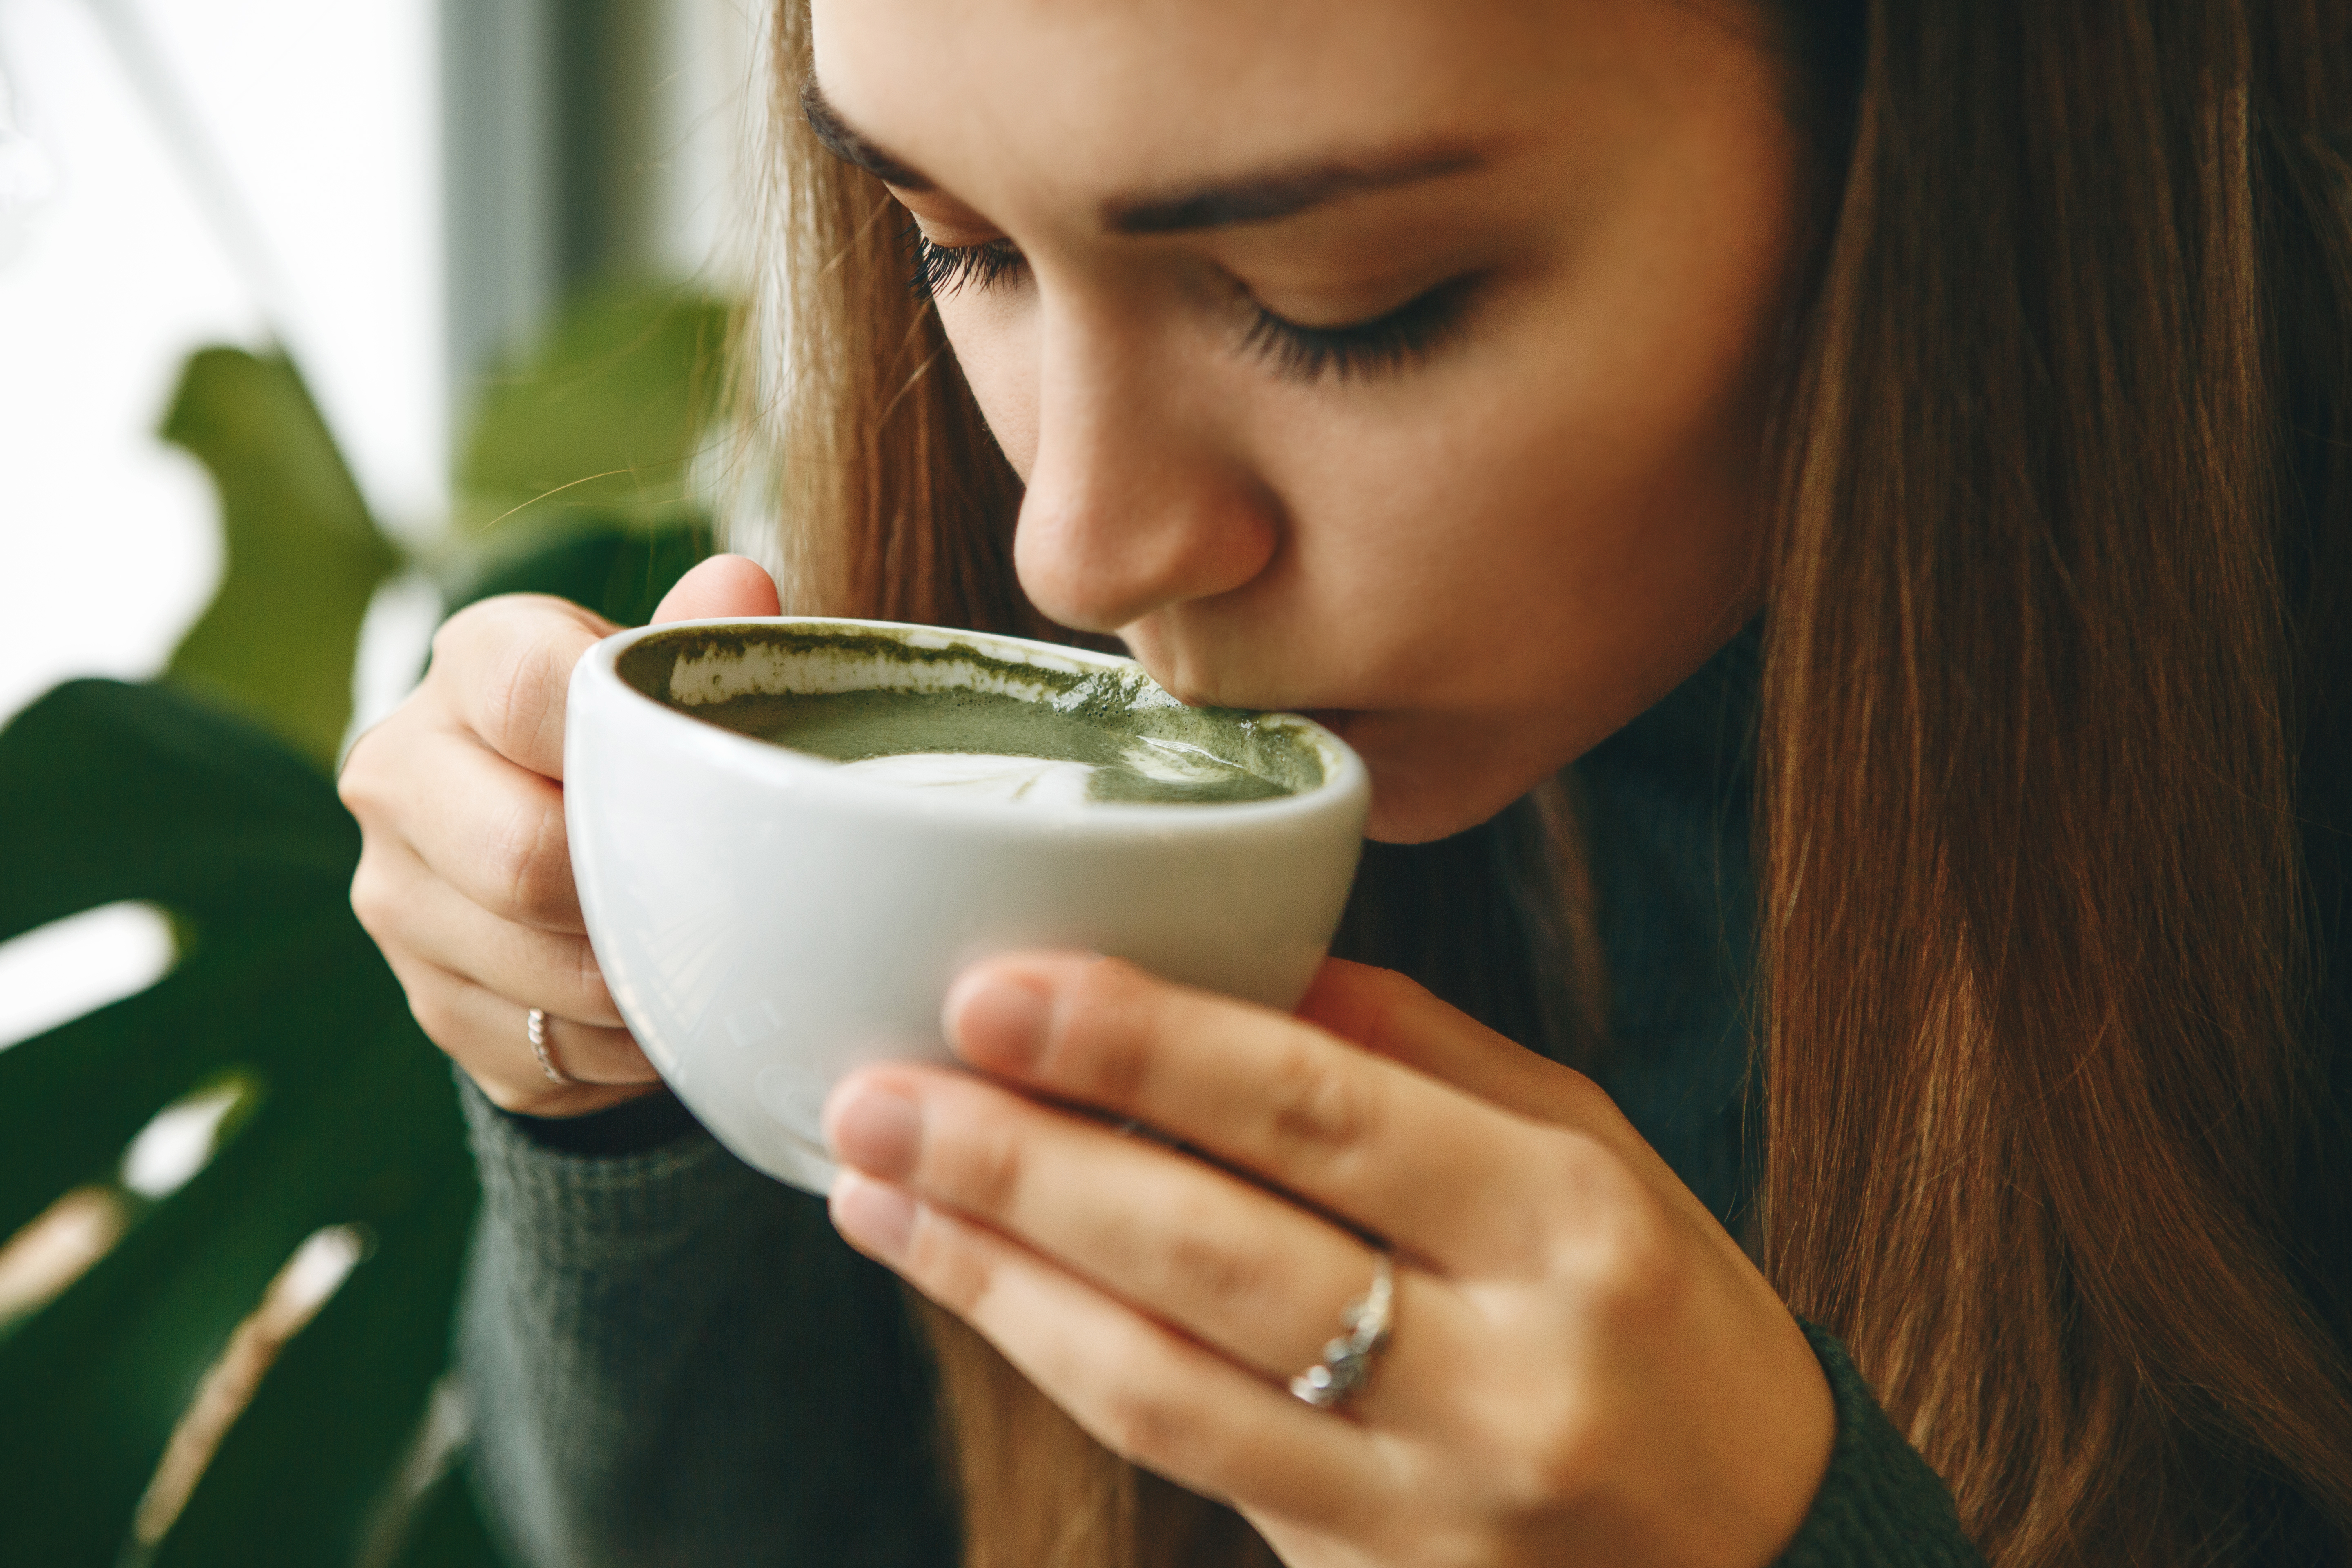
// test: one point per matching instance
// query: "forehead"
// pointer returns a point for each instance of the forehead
(1079, 98)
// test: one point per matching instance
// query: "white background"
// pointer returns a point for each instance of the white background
(324, 118)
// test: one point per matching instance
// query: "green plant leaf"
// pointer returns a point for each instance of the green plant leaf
(325, 1435)
(110, 792)
(303, 555)
(602, 419)
(205, 795)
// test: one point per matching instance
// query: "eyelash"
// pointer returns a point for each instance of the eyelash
(1382, 346)
(943, 270)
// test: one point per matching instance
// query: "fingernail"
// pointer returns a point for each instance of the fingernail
(878, 1219)
(877, 1130)
(998, 1020)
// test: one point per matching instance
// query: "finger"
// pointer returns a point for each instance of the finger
(490, 829)
(1388, 1014)
(723, 585)
(402, 904)
(1143, 1391)
(507, 663)
(1418, 1162)
(489, 1037)
(1230, 1263)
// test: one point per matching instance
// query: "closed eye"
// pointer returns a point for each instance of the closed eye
(1379, 345)
(941, 269)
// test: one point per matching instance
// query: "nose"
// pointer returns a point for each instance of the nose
(1137, 500)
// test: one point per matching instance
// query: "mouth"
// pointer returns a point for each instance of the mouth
(1335, 720)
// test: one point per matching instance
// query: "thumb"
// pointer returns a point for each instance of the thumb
(723, 585)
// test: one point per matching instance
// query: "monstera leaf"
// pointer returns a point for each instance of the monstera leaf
(113, 792)
(141, 1425)
(110, 792)
(304, 556)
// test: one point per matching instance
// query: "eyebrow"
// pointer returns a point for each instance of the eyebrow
(1222, 204)
(851, 145)
(1282, 193)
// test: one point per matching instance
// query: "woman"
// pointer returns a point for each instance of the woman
(1502, 382)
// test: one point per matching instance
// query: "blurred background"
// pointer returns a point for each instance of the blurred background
(315, 323)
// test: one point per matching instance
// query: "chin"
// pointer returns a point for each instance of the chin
(1432, 781)
(1413, 817)
(1419, 804)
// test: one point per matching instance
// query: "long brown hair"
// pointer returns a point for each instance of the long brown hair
(2041, 1054)
(2054, 791)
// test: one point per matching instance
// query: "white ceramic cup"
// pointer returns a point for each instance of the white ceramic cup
(769, 922)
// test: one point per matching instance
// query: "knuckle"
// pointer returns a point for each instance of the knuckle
(459, 644)
(1622, 1247)
(435, 1014)
(366, 783)
(1226, 1283)
(511, 667)
(530, 862)
(1640, 1276)
(1100, 1041)
(1141, 1424)
(507, 1097)
(464, 627)
(352, 786)
(370, 900)
(1573, 1099)
(1313, 1106)
(954, 1272)
(1389, 988)
(979, 1166)
(1560, 1454)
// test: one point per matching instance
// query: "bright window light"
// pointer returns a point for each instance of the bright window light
(55, 973)
(180, 1142)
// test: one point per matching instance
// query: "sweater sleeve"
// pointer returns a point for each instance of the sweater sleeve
(1880, 1506)
(672, 1359)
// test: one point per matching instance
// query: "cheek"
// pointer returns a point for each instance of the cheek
(994, 336)
(1591, 483)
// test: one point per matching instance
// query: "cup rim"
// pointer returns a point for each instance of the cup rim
(1345, 781)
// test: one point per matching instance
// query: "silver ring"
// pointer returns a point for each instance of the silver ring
(535, 1028)
(1347, 1364)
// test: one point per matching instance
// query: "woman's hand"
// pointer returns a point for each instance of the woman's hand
(1585, 1368)
(465, 875)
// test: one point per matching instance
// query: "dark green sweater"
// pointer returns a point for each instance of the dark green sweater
(674, 1360)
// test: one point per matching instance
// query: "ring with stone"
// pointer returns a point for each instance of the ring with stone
(1347, 1364)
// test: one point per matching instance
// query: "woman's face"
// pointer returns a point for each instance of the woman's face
(1398, 360)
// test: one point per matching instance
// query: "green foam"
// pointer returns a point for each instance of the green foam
(853, 726)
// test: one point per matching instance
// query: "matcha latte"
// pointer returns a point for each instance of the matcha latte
(790, 835)
(956, 720)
